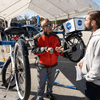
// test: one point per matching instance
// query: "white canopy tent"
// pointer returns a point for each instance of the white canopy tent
(51, 9)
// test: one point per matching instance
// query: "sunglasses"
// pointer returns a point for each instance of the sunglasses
(47, 25)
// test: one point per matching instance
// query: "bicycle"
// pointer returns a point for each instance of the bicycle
(74, 47)
(16, 70)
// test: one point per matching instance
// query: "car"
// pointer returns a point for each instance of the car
(31, 30)
(15, 23)
(38, 28)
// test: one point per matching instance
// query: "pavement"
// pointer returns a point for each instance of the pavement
(66, 76)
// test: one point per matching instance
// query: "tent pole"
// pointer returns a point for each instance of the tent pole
(68, 16)
(55, 20)
(9, 21)
(5, 23)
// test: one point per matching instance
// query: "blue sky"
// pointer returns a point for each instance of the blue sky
(30, 14)
(97, 2)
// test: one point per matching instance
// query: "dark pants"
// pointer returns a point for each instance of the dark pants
(92, 91)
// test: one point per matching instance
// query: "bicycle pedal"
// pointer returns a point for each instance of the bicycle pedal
(4, 59)
(65, 55)
(70, 55)
(4, 84)
(4, 96)
(16, 71)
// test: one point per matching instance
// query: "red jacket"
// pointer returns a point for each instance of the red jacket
(41, 42)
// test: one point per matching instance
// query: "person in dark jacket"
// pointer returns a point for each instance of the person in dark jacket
(47, 46)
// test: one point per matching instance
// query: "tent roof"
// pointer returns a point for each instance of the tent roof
(51, 9)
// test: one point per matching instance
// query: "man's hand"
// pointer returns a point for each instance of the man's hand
(80, 64)
(59, 49)
(49, 48)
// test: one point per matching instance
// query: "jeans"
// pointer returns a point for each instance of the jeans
(92, 92)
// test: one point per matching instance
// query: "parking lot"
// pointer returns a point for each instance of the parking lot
(67, 76)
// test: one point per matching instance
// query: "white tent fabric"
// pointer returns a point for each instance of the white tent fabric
(51, 9)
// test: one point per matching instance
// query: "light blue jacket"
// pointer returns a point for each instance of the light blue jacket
(91, 60)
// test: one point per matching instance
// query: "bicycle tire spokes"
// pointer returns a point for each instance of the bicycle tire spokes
(76, 48)
(7, 72)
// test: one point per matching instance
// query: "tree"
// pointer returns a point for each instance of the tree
(14, 19)
(41, 18)
(60, 22)
(19, 17)
(34, 19)
(26, 17)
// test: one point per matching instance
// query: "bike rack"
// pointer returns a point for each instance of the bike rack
(56, 74)
(2, 64)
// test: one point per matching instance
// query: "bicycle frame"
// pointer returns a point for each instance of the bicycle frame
(64, 40)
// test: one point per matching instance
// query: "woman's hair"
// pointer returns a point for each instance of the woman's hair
(95, 15)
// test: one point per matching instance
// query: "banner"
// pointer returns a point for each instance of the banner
(38, 19)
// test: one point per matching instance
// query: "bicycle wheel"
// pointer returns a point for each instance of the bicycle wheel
(22, 75)
(77, 48)
(7, 75)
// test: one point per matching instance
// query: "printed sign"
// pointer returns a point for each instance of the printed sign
(68, 25)
(75, 24)
(79, 22)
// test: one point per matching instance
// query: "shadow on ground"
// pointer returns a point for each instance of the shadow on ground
(58, 97)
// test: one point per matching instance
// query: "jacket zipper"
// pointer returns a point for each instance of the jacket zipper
(50, 57)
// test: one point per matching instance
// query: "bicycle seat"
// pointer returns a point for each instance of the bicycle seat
(14, 31)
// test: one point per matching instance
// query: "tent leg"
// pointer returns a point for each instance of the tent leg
(55, 21)
(9, 21)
